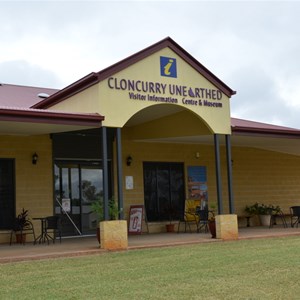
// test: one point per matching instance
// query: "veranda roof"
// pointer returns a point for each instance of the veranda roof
(17, 118)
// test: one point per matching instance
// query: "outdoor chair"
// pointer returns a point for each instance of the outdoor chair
(295, 215)
(278, 215)
(52, 226)
(202, 219)
(188, 218)
(22, 232)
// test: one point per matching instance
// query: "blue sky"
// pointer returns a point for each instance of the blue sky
(253, 46)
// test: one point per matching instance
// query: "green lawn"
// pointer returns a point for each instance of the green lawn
(248, 269)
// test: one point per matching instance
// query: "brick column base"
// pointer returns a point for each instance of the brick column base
(113, 235)
(226, 227)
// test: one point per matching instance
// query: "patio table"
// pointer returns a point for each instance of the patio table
(42, 237)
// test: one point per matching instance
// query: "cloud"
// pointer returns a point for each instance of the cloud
(260, 98)
(253, 46)
(20, 72)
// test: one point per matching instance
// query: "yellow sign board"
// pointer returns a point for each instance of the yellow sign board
(163, 78)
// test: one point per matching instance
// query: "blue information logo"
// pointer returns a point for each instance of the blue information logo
(168, 67)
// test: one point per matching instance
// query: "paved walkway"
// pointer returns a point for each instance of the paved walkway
(89, 245)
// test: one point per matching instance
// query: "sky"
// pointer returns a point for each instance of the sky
(252, 46)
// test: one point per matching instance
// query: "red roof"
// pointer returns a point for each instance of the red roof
(15, 103)
(22, 96)
(251, 127)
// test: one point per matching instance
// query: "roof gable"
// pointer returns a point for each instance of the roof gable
(94, 78)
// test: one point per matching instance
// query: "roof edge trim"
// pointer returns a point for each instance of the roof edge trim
(265, 131)
(68, 91)
(50, 117)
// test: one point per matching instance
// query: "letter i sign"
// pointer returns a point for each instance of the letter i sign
(168, 67)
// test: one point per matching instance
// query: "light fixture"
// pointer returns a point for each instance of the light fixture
(128, 160)
(34, 158)
(197, 155)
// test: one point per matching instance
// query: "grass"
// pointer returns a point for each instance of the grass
(247, 269)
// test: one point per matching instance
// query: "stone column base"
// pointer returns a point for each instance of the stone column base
(113, 235)
(226, 227)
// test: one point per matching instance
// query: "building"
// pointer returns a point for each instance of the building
(154, 129)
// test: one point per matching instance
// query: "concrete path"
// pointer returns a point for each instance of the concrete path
(89, 245)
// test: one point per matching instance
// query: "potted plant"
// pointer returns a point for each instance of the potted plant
(113, 211)
(212, 207)
(212, 220)
(21, 223)
(112, 233)
(263, 211)
(97, 208)
(170, 227)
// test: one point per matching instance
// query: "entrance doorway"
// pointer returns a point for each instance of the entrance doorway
(164, 190)
(78, 184)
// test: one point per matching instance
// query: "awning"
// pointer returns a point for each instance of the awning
(18, 121)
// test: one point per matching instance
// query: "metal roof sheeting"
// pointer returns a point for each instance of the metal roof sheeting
(22, 96)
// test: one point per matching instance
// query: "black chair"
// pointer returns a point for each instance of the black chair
(52, 226)
(277, 215)
(295, 215)
(202, 219)
(22, 231)
(188, 218)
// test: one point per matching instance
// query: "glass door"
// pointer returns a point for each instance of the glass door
(91, 185)
(77, 184)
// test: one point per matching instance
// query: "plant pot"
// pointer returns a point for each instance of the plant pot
(21, 238)
(98, 234)
(265, 220)
(170, 227)
(212, 228)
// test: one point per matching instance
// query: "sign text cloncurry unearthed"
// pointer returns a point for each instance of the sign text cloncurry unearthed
(162, 92)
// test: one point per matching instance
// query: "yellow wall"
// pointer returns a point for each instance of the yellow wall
(34, 183)
(86, 101)
(266, 177)
(258, 175)
(177, 125)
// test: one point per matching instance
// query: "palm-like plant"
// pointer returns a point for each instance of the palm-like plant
(22, 220)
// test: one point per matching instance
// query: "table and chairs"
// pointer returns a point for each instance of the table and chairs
(275, 215)
(199, 218)
(188, 219)
(41, 238)
(294, 216)
(202, 218)
(50, 229)
(53, 225)
(196, 217)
